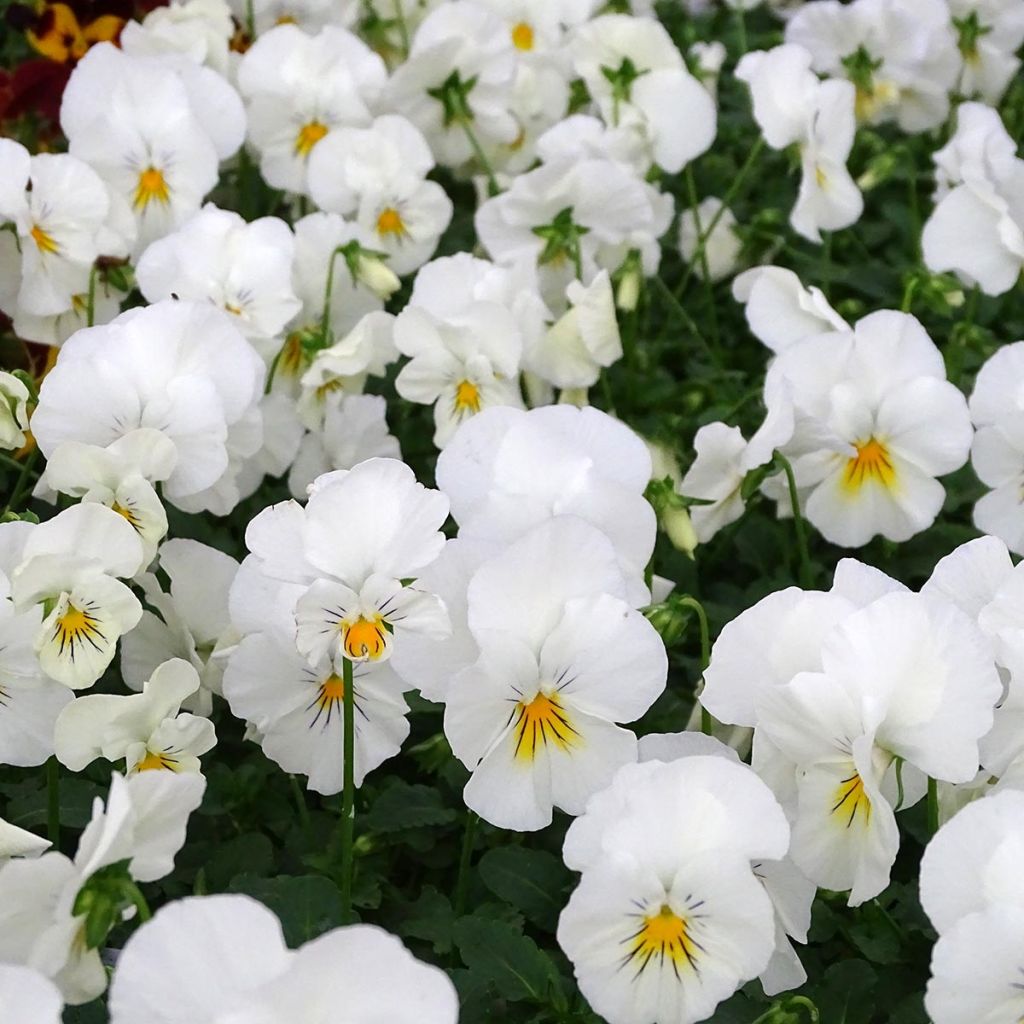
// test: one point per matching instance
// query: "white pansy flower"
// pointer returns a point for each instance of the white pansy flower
(70, 566)
(145, 729)
(298, 88)
(210, 959)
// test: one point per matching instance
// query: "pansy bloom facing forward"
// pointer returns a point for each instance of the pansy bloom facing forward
(876, 422)
(363, 533)
(669, 917)
(563, 659)
(70, 566)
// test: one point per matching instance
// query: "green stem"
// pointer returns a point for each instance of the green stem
(300, 804)
(741, 28)
(688, 320)
(730, 195)
(933, 806)
(403, 28)
(908, 294)
(53, 802)
(465, 859)
(706, 721)
(481, 156)
(348, 790)
(90, 305)
(325, 317)
(139, 902)
(26, 473)
(806, 570)
(702, 255)
(826, 264)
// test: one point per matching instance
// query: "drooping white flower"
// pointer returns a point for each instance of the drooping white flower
(242, 268)
(780, 310)
(39, 930)
(120, 476)
(723, 459)
(977, 227)
(536, 718)
(721, 248)
(145, 728)
(70, 567)
(298, 88)
(181, 368)
(583, 341)
(14, 398)
(142, 821)
(217, 958)
(792, 106)
(341, 369)
(193, 624)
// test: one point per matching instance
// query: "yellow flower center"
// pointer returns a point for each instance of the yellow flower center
(155, 762)
(871, 464)
(365, 638)
(44, 242)
(328, 700)
(76, 627)
(851, 800)
(233, 309)
(127, 512)
(542, 721)
(467, 397)
(390, 223)
(664, 936)
(309, 135)
(868, 103)
(522, 36)
(152, 187)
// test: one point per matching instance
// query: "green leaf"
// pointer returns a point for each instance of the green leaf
(248, 854)
(531, 880)
(308, 905)
(403, 806)
(429, 918)
(845, 994)
(510, 961)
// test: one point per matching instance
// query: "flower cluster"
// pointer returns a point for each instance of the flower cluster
(312, 529)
